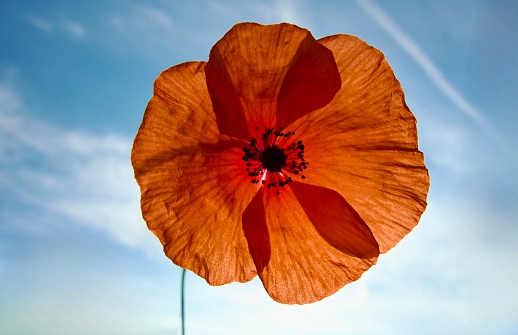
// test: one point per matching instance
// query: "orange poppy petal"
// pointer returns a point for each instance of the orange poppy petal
(180, 113)
(260, 76)
(256, 232)
(335, 220)
(364, 144)
(303, 267)
(192, 191)
(310, 83)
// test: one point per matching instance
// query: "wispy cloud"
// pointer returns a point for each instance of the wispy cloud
(143, 18)
(82, 177)
(148, 28)
(428, 66)
(42, 24)
(74, 28)
(60, 26)
(289, 11)
(272, 11)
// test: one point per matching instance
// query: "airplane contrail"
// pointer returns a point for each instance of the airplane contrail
(427, 65)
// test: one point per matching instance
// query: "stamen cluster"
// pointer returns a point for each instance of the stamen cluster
(274, 158)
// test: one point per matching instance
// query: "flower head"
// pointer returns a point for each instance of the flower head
(283, 156)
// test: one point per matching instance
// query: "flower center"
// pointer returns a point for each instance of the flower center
(272, 160)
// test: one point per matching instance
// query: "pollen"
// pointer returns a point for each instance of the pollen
(274, 158)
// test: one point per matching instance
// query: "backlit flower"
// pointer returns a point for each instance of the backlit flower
(283, 156)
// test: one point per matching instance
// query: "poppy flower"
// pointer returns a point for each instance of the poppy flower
(283, 156)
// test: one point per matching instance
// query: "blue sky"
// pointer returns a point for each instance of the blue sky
(75, 255)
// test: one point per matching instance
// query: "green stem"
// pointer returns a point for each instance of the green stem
(183, 308)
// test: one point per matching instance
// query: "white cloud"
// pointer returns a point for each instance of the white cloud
(145, 27)
(61, 26)
(9, 100)
(273, 11)
(74, 28)
(444, 144)
(284, 11)
(42, 24)
(288, 11)
(143, 19)
(82, 177)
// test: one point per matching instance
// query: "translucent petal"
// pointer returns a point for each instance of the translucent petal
(260, 76)
(364, 144)
(297, 265)
(194, 188)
